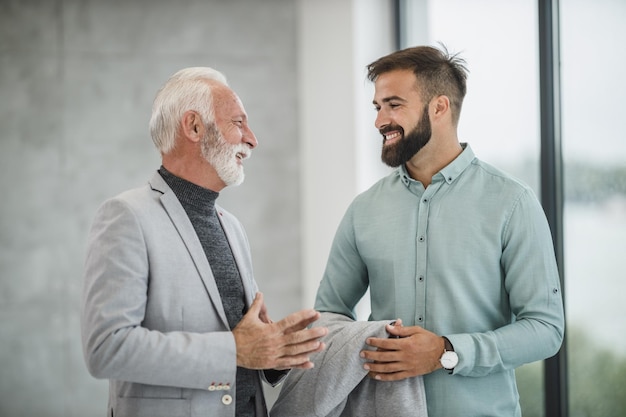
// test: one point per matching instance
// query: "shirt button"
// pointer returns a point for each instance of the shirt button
(420, 319)
(421, 238)
(421, 278)
(227, 399)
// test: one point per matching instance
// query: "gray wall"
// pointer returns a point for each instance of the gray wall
(77, 78)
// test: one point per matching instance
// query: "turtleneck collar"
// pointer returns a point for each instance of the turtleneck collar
(188, 193)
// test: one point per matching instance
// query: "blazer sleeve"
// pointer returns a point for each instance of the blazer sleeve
(116, 343)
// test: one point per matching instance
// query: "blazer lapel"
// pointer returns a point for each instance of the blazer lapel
(189, 236)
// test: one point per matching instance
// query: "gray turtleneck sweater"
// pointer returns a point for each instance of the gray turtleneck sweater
(199, 204)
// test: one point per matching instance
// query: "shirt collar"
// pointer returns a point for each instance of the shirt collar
(450, 172)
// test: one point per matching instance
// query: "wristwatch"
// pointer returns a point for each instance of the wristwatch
(449, 359)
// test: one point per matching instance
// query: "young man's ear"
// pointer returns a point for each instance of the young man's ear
(440, 106)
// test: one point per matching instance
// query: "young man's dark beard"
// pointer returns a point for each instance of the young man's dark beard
(408, 145)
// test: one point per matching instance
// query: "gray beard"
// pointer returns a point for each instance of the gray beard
(221, 156)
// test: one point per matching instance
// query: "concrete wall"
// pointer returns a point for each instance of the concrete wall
(77, 78)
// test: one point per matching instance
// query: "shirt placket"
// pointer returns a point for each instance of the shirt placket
(421, 270)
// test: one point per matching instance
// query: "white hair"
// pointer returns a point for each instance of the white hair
(186, 90)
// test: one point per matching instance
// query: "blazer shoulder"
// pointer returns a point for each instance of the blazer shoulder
(153, 189)
(136, 197)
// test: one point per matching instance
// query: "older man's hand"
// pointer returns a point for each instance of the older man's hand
(288, 343)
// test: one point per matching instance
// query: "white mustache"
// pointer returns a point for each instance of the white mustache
(242, 152)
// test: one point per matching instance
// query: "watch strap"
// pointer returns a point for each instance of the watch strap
(447, 347)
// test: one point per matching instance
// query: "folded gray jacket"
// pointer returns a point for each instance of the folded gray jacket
(338, 386)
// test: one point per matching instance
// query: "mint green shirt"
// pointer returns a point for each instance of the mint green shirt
(471, 258)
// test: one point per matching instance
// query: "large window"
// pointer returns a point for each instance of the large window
(501, 119)
(594, 156)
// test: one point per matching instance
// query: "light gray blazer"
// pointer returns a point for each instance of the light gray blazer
(152, 317)
(338, 386)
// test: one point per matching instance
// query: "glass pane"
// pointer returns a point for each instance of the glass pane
(500, 117)
(594, 148)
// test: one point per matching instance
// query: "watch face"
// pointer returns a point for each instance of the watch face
(449, 360)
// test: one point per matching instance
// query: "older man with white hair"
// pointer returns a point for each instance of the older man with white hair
(171, 314)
